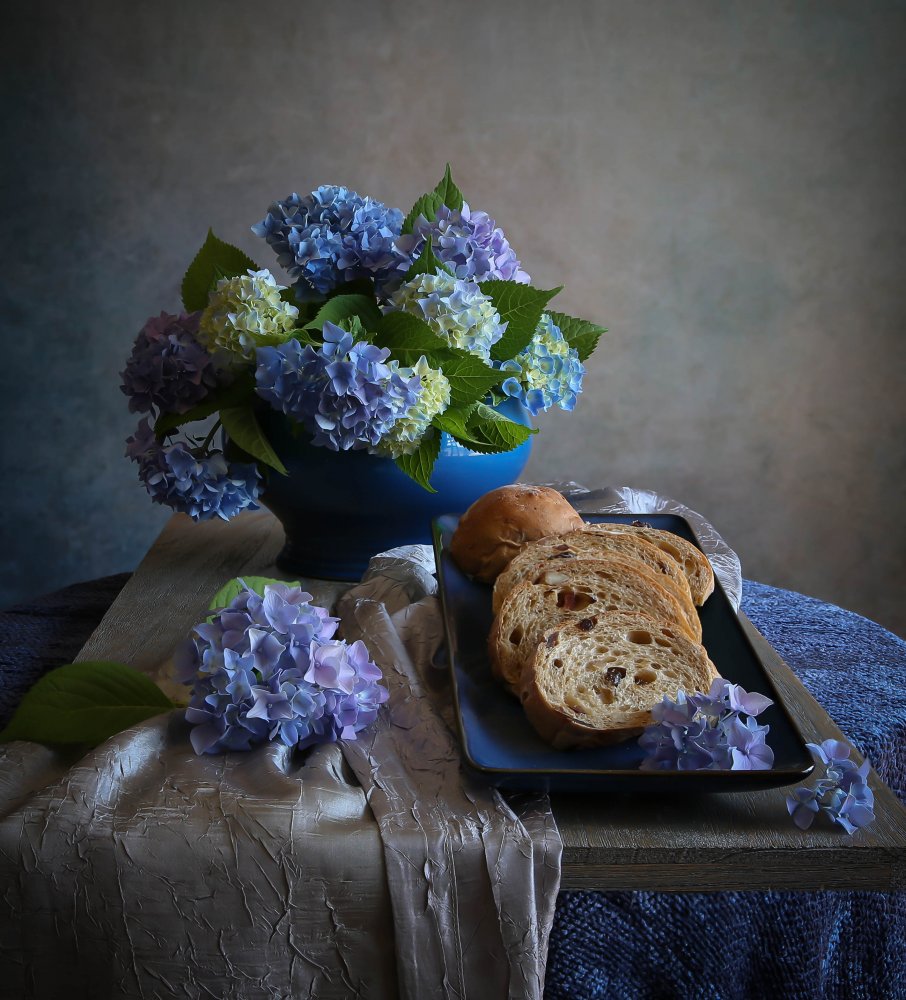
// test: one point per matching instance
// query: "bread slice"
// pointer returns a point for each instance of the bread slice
(693, 561)
(592, 586)
(560, 550)
(594, 682)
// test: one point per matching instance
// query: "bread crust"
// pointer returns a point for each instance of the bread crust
(498, 524)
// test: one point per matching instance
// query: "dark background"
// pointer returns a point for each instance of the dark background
(719, 183)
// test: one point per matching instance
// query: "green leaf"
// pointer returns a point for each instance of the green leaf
(420, 464)
(242, 426)
(409, 337)
(454, 421)
(579, 333)
(358, 286)
(213, 261)
(446, 193)
(520, 307)
(469, 377)
(487, 431)
(343, 307)
(239, 391)
(235, 587)
(85, 703)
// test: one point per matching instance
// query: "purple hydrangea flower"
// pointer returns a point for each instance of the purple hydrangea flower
(842, 793)
(705, 732)
(267, 667)
(203, 488)
(344, 393)
(546, 373)
(471, 243)
(334, 235)
(169, 370)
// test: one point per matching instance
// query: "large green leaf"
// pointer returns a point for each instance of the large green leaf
(341, 308)
(469, 377)
(420, 464)
(409, 337)
(85, 703)
(446, 193)
(520, 307)
(242, 426)
(579, 333)
(239, 391)
(213, 261)
(239, 583)
(426, 263)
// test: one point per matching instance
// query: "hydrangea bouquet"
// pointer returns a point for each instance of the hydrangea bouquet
(392, 331)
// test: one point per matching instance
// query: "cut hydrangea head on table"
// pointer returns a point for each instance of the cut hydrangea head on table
(386, 332)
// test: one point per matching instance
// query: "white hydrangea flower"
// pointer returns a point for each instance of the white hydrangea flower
(247, 312)
(406, 433)
(456, 310)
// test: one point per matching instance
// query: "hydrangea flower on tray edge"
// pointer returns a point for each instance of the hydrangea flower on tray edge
(389, 332)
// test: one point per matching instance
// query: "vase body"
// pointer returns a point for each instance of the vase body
(338, 509)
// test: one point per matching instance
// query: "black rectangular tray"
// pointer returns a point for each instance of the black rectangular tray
(499, 743)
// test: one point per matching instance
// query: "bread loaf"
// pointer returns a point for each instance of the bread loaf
(589, 587)
(593, 682)
(693, 561)
(559, 550)
(499, 523)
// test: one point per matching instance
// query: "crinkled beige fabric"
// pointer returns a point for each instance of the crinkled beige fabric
(369, 869)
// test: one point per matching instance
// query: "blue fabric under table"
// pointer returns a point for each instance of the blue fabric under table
(718, 946)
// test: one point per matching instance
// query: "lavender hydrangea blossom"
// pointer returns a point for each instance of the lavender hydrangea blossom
(169, 370)
(547, 372)
(202, 487)
(344, 393)
(267, 667)
(706, 731)
(843, 793)
(470, 242)
(334, 235)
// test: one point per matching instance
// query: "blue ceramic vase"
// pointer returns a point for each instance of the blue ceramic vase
(338, 509)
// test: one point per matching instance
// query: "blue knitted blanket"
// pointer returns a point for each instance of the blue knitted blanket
(638, 945)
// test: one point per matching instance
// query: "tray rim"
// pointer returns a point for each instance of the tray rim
(753, 780)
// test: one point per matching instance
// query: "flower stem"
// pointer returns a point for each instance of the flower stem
(204, 445)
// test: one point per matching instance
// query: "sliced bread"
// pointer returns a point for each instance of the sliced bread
(693, 561)
(594, 682)
(592, 586)
(560, 550)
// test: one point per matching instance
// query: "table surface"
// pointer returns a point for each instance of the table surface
(733, 841)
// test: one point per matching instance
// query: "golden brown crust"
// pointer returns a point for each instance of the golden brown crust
(498, 524)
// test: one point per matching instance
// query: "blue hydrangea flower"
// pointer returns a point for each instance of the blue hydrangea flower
(345, 393)
(842, 793)
(546, 373)
(456, 310)
(246, 312)
(268, 668)
(406, 432)
(332, 236)
(705, 732)
(470, 242)
(203, 488)
(169, 370)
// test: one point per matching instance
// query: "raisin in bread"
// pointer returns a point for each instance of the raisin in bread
(693, 561)
(558, 551)
(593, 586)
(594, 681)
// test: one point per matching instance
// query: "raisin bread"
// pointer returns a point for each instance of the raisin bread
(593, 682)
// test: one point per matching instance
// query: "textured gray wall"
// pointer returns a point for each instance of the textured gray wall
(719, 183)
